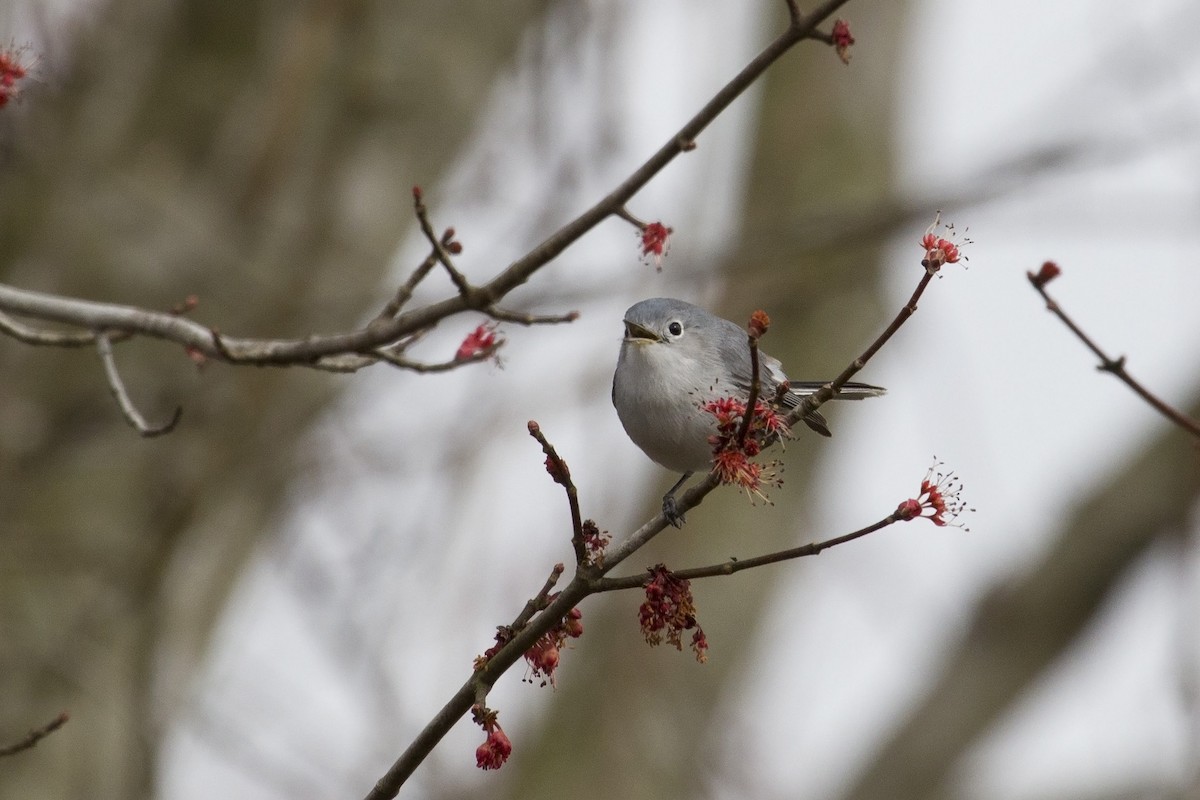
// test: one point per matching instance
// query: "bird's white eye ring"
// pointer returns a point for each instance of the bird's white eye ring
(675, 329)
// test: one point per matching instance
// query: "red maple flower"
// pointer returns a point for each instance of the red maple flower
(481, 340)
(669, 610)
(939, 250)
(842, 40)
(496, 749)
(12, 72)
(655, 243)
(544, 656)
(940, 500)
(731, 456)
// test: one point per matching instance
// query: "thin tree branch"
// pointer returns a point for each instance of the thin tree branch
(540, 600)
(752, 399)
(398, 360)
(35, 735)
(814, 401)
(562, 475)
(405, 292)
(521, 318)
(28, 334)
(119, 393)
(440, 245)
(738, 564)
(1115, 366)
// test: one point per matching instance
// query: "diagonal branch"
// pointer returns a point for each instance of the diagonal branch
(1115, 366)
(562, 475)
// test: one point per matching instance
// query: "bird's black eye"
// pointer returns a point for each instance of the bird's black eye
(674, 329)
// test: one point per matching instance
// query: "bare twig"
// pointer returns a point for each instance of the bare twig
(35, 735)
(394, 358)
(738, 564)
(439, 245)
(752, 399)
(520, 318)
(1115, 366)
(539, 601)
(39, 337)
(562, 475)
(117, 387)
(624, 214)
(405, 292)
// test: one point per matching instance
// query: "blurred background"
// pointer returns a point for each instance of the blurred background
(271, 601)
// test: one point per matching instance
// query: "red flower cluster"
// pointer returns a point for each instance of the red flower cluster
(11, 72)
(595, 541)
(941, 495)
(842, 40)
(543, 656)
(479, 341)
(940, 250)
(496, 749)
(655, 243)
(731, 458)
(669, 610)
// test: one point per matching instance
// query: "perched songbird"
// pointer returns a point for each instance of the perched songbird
(676, 357)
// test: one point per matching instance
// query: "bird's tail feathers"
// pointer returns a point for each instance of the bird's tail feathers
(851, 391)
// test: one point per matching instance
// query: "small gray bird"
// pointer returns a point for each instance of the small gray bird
(676, 357)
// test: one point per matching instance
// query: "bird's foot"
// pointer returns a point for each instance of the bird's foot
(670, 510)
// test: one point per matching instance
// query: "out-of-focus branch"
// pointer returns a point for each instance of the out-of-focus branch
(34, 736)
(1048, 272)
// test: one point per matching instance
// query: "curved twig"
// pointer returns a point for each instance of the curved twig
(119, 393)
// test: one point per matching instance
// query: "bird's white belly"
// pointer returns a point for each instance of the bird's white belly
(669, 424)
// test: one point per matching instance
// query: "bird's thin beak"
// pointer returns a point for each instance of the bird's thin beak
(635, 332)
